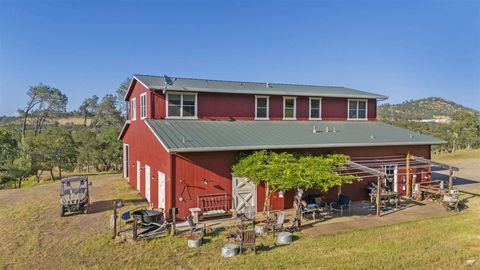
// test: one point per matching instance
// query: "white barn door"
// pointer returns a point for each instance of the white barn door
(147, 182)
(244, 194)
(138, 175)
(161, 190)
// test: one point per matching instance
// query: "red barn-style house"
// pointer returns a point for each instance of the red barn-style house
(183, 136)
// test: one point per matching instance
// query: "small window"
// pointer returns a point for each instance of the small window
(315, 109)
(143, 106)
(182, 105)
(133, 108)
(289, 108)
(261, 107)
(125, 160)
(357, 109)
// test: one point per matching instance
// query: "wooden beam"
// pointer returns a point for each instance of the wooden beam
(408, 174)
(436, 164)
(365, 169)
(450, 179)
(379, 188)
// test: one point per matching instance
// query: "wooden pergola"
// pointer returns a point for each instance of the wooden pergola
(368, 167)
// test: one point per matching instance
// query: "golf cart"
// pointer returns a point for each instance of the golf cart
(74, 194)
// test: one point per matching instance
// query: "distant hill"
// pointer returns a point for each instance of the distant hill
(426, 108)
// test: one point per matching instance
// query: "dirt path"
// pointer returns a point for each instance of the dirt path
(34, 236)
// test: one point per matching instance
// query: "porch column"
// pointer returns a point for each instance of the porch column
(450, 178)
(407, 175)
(379, 187)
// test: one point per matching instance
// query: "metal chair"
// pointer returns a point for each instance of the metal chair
(340, 205)
(198, 227)
(277, 224)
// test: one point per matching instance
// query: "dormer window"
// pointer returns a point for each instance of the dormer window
(261, 107)
(357, 109)
(289, 108)
(182, 105)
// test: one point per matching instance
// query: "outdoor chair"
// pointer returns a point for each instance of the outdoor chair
(247, 240)
(198, 227)
(342, 204)
(308, 210)
(277, 224)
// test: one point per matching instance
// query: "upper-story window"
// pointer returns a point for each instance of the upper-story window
(143, 106)
(133, 109)
(182, 105)
(289, 108)
(315, 109)
(261, 107)
(357, 109)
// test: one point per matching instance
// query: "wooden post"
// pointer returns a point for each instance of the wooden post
(408, 175)
(173, 212)
(379, 187)
(135, 222)
(114, 220)
(339, 190)
(450, 178)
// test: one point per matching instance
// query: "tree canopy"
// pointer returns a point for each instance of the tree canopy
(287, 171)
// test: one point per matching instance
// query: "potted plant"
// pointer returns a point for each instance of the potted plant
(195, 240)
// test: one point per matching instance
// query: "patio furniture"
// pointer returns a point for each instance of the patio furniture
(450, 201)
(342, 204)
(308, 209)
(214, 205)
(196, 227)
(276, 224)
(247, 240)
(387, 198)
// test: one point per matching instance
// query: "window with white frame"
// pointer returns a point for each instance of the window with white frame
(143, 106)
(126, 153)
(182, 105)
(261, 107)
(357, 109)
(289, 108)
(133, 108)
(315, 109)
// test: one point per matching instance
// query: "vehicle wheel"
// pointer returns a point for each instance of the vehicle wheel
(62, 211)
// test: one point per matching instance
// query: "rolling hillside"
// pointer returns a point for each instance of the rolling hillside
(426, 108)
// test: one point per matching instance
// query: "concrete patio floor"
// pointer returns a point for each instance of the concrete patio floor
(361, 217)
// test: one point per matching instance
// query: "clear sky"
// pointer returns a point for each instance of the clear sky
(403, 49)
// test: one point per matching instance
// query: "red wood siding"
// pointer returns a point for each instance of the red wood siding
(192, 168)
(145, 147)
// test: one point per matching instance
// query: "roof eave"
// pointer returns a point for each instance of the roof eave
(124, 129)
(285, 93)
(302, 146)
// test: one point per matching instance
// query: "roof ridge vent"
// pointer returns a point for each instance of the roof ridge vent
(326, 129)
(268, 85)
(314, 129)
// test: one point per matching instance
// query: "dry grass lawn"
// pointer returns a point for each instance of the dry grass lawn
(33, 236)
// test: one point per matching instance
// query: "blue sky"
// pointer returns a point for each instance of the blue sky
(403, 49)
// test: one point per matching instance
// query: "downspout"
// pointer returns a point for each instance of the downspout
(173, 202)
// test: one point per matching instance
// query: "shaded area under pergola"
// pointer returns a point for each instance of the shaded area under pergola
(368, 167)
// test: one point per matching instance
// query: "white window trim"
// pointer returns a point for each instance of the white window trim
(133, 105)
(126, 151)
(294, 108)
(143, 95)
(268, 108)
(181, 106)
(366, 110)
(310, 108)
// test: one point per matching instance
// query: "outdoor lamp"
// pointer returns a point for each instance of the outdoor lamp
(205, 181)
(280, 194)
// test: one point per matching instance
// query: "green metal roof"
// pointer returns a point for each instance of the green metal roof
(204, 135)
(218, 86)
